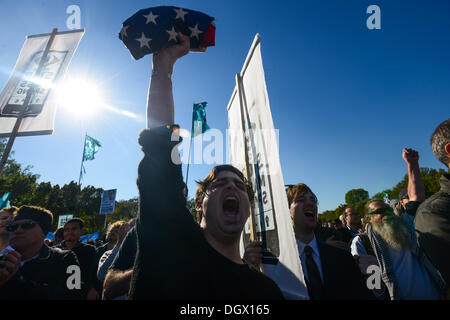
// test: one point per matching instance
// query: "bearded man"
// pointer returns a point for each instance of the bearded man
(405, 270)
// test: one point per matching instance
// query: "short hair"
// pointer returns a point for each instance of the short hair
(294, 191)
(76, 220)
(115, 225)
(203, 185)
(9, 210)
(345, 213)
(439, 139)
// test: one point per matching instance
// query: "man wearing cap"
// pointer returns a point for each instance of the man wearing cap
(43, 272)
(403, 197)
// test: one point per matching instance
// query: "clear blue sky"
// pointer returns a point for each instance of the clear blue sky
(345, 99)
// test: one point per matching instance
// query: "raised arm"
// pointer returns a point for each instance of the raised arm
(160, 106)
(416, 188)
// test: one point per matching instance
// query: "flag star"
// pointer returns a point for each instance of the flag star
(144, 41)
(180, 13)
(195, 31)
(123, 32)
(172, 34)
(151, 18)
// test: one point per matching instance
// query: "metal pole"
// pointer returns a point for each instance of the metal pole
(189, 160)
(26, 103)
(253, 233)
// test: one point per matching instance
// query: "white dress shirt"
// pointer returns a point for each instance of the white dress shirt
(315, 254)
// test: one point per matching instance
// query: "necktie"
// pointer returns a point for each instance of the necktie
(314, 282)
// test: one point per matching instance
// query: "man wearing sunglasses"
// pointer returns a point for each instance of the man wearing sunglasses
(43, 272)
(405, 270)
(390, 242)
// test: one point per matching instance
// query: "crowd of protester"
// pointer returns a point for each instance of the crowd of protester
(166, 254)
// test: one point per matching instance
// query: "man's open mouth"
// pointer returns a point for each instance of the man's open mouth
(230, 205)
(310, 214)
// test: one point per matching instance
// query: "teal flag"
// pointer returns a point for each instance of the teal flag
(4, 202)
(199, 124)
(91, 147)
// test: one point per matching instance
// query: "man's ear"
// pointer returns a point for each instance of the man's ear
(198, 208)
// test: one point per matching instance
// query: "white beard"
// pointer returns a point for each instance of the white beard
(394, 231)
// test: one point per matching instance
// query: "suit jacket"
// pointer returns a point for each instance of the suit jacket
(341, 275)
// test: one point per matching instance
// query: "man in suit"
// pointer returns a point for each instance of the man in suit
(330, 272)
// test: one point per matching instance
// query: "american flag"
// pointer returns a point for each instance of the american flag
(153, 29)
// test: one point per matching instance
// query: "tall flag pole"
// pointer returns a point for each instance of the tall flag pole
(199, 126)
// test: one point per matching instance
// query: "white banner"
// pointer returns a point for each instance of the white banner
(63, 218)
(108, 201)
(254, 150)
(42, 106)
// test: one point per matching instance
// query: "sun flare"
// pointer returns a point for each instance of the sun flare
(81, 97)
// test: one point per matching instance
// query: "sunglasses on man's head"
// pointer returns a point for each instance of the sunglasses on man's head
(25, 226)
(382, 211)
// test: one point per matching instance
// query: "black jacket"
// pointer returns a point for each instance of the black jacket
(44, 278)
(86, 256)
(432, 226)
(341, 275)
(174, 260)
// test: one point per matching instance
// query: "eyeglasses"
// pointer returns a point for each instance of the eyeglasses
(25, 226)
(222, 182)
(353, 214)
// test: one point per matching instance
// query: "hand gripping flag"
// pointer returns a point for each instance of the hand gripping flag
(199, 124)
(153, 29)
(91, 147)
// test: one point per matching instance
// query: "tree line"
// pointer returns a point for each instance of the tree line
(84, 202)
(70, 198)
(357, 198)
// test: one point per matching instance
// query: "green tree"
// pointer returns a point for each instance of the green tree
(125, 210)
(190, 204)
(20, 182)
(352, 197)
